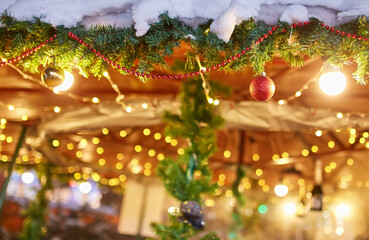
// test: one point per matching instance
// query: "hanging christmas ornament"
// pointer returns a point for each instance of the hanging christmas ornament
(53, 76)
(192, 214)
(262, 88)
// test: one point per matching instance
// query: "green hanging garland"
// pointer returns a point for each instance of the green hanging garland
(196, 123)
(341, 45)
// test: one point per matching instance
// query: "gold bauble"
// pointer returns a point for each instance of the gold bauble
(52, 76)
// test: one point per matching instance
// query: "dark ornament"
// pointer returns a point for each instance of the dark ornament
(192, 214)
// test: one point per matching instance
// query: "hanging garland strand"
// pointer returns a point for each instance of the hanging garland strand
(252, 44)
(189, 176)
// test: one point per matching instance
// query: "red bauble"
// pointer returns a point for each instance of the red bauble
(262, 88)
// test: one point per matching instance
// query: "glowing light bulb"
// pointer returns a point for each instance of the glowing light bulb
(85, 187)
(281, 190)
(342, 210)
(333, 81)
(28, 178)
(289, 209)
(68, 82)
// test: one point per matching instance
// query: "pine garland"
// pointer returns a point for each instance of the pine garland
(144, 53)
(197, 123)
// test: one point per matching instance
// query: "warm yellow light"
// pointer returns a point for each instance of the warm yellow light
(102, 161)
(210, 100)
(95, 177)
(134, 162)
(85, 176)
(2, 137)
(11, 107)
(314, 148)
(119, 165)
(147, 172)
(160, 156)
(220, 183)
(157, 136)
(227, 154)
(259, 172)
(229, 193)
(318, 133)
(120, 156)
(222, 177)
(362, 140)
(350, 161)
(305, 152)
(105, 131)
(152, 152)
(83, 143)
(3, 121)
(138, 148)
(123, 133)
(9, 139)
(100, 150)
(24, 117)
(25, 158)
(332, 83)
(67, 83)
(342, 210)
(146, 132)
(180, 151)
(339, 115)
(281, 102)
(261, 182)
(136, 169)
(145, 106)
(56, 143)
(129, 109)
(331, 144)
(247, 185)
(352, 131)
(298, 94)
(174, 142)
(327, 169)
(95, 100)
(95, 140)
(77, 176)
(365, 134)
(56, 109)
(332, 165)
(265, 188)
(340, 231)
(79, 154)
(209, 202)
(256, 157)
(174, 211)
(281, 190)
(216, 102)
(289, 209)
(285, 155)
(122, 178)
(275, 157)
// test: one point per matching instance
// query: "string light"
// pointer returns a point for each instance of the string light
(281, 190)
(95, 100)
(332, 81)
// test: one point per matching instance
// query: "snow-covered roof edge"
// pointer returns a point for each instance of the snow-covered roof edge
(225, 13)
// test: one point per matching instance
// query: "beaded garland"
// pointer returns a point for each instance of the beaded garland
(180, 76)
